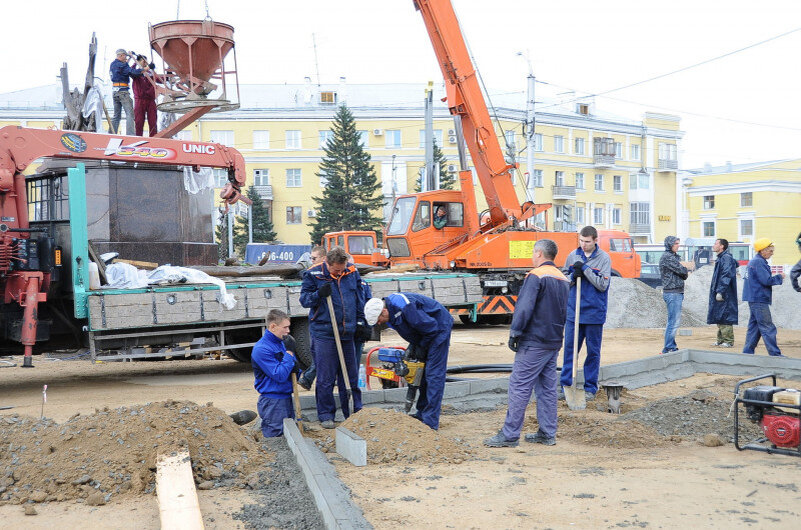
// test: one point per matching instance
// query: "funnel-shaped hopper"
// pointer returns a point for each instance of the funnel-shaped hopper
(192, 48)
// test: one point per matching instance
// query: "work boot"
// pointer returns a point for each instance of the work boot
(540, 438)
(328, 424)
(726, 345)
(499, 440)
(716, 343)
(304, 383)
(589, 396)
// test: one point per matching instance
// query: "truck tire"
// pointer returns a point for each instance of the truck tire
(494, 320)
(240, 336)
(300, 330)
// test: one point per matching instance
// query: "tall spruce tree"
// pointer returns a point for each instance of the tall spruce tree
(351, 196)
(447, 180)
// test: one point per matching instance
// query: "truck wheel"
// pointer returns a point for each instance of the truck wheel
(494, 320)
(239, 336)
(466, 320)
(300, 330)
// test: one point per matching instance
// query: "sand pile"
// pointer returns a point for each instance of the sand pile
(632, 304)
(396, 437)
(605, 430)
(113, 452)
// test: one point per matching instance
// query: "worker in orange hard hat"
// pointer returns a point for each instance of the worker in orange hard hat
(758, 292)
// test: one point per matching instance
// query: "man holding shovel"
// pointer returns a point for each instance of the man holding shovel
(535, 336)
(332, 334)
(594, 267)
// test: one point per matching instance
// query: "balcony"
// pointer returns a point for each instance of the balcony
(603, 152)
(265, 192)
(639, 228)
(666, 165)
(564, 226)
(564, 193)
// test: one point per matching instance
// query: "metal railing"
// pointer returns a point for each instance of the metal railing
(564, 192)
(265, 192)
(668, 165)
(639, 228)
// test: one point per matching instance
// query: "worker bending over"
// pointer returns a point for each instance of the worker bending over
(273, 365)
(426, 325)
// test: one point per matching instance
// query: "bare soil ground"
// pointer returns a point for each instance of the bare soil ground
(605, 471)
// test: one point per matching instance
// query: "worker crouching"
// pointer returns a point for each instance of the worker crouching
(426, 325)
(272, 367)
(535, 336)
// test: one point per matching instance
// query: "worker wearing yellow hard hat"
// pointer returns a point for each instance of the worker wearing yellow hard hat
(758, 292)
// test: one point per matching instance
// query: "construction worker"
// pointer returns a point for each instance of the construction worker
(795, 272)
(306, 378)
(758, 292)
(121, 72)
(426, 325)
(673, 275)
(440, 218)
(145, 97)
(723, 295)
(594, 266)
(536, 336)
(336, 278)
(273, 365)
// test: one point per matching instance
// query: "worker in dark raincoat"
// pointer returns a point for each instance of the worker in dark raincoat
(723, 295)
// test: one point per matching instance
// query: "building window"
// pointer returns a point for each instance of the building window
(579, 146)
(599, 182)
(325, 137)
(437, 137)
(511, 140)
(261, 177)
(392, 138)
(261, 139)
(746, 227)
(635, 152)
(709, 202)
(538, 178)
(617, 183)
(537, 142)
(559, 179)
(616, 216)
(184, 135)
(223, 137)
(580, 215)
(580, 181)
(640, 181)
(293, 178)
(328, 98)
(667, 152)
(598, 216)
(364, 138)
(559, 144)
(293, 140)
(708, 228)
(747, 199)
(220, 177)
(294, 215)
(618, 150)
(640, 213)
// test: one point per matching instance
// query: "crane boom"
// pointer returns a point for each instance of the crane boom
(465, 99)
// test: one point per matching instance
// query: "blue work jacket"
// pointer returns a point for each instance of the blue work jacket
(272, 367)
(346, 294)
(758, 284)
(120, 73)
(420, 320)
(597, 270)
(724, 281)
(541, 308)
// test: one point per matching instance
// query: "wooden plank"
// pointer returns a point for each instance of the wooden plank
(147, 265)
(178, 505)
(101, 267)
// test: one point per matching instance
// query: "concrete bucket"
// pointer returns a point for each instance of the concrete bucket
(195, 75)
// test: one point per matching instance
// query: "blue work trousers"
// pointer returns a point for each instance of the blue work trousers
(310, 373)
(673, 302)
(760, 324)
(329, 372)
(533, 369)
(272, 412)
(429, 400)
(594, 334)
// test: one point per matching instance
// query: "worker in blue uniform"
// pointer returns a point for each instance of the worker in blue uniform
(426, 325)
(272, 367)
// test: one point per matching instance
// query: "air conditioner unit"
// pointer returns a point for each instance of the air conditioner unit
(451, 168)
(311, 213)
(452, 138)
(378, 132)
(451, 132)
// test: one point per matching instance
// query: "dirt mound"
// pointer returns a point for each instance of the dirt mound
(632, 304)
(114, 452)
(396, 437)
(602, 429)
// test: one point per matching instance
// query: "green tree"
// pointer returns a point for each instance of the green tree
(262, 225)
(221, 234)
(447, 180)
(351, 196)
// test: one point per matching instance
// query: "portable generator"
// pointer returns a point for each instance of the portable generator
(388, 359)
(777, 411)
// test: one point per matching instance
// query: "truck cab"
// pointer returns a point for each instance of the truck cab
(360, 244)
(626, 263)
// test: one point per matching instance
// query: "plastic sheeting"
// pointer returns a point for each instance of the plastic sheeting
(125, 276)
(94, 104)
(195, 182)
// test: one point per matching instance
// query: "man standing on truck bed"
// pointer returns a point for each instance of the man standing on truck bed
(594, 266)
(340, 280)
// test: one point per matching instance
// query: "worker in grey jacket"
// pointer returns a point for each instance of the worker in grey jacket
(673, 275)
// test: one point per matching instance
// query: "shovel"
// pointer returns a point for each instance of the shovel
(339, 350)
(574, 394)
(296, 401)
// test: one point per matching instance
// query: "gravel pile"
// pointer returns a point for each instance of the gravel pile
(113, 453)
(632, 304)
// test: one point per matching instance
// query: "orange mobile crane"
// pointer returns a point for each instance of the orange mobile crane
(498, 246)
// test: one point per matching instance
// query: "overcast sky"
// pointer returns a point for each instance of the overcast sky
(743, 108)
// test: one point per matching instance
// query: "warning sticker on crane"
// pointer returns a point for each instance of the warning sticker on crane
(521, 249)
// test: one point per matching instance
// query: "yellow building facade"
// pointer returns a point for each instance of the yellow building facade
(594, 169)
(747, 202)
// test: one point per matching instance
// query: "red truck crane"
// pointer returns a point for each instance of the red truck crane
(28, 264)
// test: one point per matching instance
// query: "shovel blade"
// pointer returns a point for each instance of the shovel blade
(575, 397)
